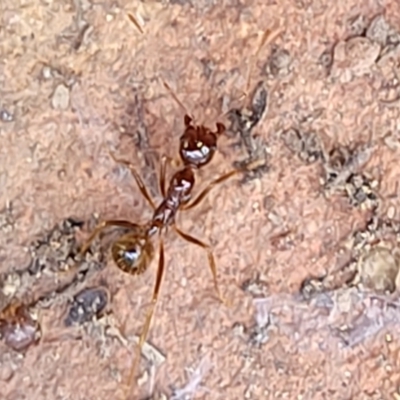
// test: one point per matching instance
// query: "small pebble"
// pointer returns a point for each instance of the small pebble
(391, 212)
(60, 99)
(86, 305)
(47, 73)
(6, 116)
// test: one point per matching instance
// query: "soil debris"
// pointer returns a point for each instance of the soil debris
(357, 25)
(354, 57)
(378, 30)
(52, 274)
(258, 333)
(154, 356)
(305, 145)
(255, 286)
(311, 286)
(279, 63)
(18, 328)
(374, 262)
(56, 250)
(243, 121)
(89, 303)
(7, 218)
(194, 381)
(368, 44)
(242, 124)
(343, 173)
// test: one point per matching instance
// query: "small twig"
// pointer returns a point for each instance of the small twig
(135, 22)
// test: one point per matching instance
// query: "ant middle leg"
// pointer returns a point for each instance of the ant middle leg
(210, 186)
(137, 177)
(211, 260)
(163, 172)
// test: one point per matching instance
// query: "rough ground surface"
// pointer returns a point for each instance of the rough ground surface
(77, 78)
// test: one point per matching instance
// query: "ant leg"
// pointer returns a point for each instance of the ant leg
(165, 160)
(187, 118)
(100, 227)
(149, 317)
(268, 37)
(211, 260)
(163, 171)
(204, 193)
(137, 177)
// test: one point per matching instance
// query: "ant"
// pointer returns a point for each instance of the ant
(133, 251)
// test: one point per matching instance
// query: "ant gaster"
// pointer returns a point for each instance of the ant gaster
(133, 251)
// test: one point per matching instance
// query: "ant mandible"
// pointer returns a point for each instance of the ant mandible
(133, 251)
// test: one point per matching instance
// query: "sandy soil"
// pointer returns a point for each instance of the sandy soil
(314, 311)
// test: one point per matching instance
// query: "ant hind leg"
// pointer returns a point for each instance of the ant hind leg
(149, 317)
(211, 260)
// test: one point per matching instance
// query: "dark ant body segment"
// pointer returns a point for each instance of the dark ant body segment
(198, 144)
(133, 252)
(179, 193)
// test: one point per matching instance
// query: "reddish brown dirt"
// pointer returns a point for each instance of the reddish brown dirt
(67, 98)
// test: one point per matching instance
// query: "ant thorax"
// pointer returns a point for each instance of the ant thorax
(181, 184)
(179, 193)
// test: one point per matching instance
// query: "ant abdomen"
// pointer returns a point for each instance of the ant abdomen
(132, 253)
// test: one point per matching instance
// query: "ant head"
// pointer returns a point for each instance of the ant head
(198, 143)
(133, 252)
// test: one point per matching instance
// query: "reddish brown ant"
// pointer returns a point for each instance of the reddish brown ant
(134, 251)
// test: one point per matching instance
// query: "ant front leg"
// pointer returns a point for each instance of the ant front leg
(211, 260)
(137, 177)
(163, 172)
(165, 161)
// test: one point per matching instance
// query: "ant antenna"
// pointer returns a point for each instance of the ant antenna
(175, 97)
(268, 37)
